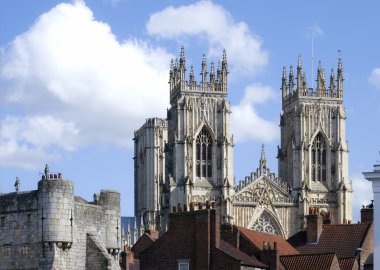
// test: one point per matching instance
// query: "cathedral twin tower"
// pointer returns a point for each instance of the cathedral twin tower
(185, 162)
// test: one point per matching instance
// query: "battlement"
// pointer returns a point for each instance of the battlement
(292, 91)
(215, 84)
(151, 123)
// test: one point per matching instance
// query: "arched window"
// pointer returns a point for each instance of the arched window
(204, 154)
(318, 159)
(265, 223)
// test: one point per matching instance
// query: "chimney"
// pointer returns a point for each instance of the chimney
(366, 213)
(328, 218)
(270, 255)
(314, 225)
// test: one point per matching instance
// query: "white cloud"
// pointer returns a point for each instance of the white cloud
(362, 194)
(212, 22)
(246, 123)
(374, 78)
(69, 71)
(314, 31)
(25, 141)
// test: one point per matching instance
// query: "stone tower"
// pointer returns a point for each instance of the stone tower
(149, 159)
(313, 157)
(199, 151)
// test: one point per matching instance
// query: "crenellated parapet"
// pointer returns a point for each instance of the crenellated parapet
(211, 81)
(294, 87)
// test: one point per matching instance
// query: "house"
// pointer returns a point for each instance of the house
(193, 242)
(350, 243)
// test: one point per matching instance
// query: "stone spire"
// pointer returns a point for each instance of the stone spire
(304, 84)
(321, 81)
(135, 232)
(284, 86)
(182, 68)
(212, 73)
(224, 71)
(129, 236)
(204, 73)
(141, 226)
(291, 80)
(192, 78)
(262, 162)
(340, 78)
(299, 75)
(332, 83)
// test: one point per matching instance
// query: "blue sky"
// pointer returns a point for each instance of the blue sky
(78, 77)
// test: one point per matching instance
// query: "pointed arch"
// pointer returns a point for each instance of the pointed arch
(206, 126)
(204, 143)
(266, 221)
(319, 149)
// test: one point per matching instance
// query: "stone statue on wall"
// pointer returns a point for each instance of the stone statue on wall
(17, 184)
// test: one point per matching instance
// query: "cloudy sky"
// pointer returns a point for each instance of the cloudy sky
(78, 77)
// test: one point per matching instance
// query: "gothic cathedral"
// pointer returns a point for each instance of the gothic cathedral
(185, 162)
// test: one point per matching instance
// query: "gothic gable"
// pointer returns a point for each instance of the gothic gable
(263, 191)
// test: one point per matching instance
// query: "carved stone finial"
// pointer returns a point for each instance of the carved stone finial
(263, 162)
(182, 60)
(291, 80)
(299, 61)
(224, 61)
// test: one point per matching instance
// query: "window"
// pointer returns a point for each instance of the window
(25, 249)
(204, 154)
(2, 221)
(183, 264)
(7, 250)
(318, 159)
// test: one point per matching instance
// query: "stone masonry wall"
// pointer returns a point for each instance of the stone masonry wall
(47, 229)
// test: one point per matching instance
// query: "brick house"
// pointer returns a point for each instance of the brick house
(193, 242)
(266, 247)
(350, 242)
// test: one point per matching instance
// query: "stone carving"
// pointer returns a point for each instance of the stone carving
(265, 224)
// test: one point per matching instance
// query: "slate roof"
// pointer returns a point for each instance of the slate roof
(343, 239)
(235, 253)
(321, 261)
(257, 238)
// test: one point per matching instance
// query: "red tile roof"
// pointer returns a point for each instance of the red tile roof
(343, 239)
(347, 263)
(322, 261)
(257, 238)
(244, 259)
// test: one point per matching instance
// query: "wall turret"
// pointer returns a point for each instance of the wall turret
(56, 203)
(110, 200)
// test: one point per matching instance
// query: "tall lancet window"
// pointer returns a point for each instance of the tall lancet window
(318, 159)
(204, 154)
